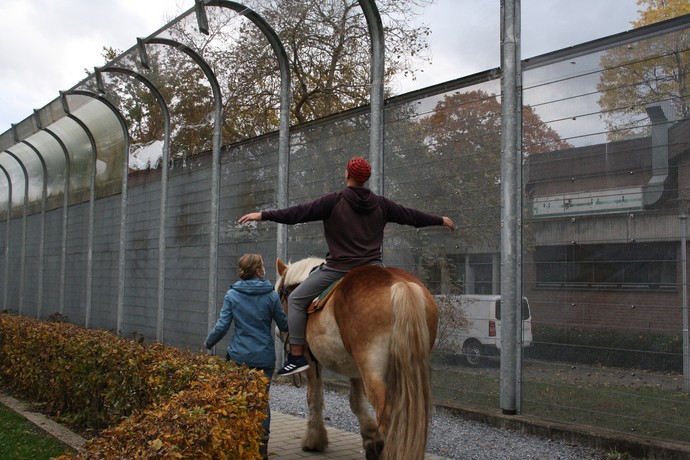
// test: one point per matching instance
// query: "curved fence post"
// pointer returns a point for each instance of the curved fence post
(284, 128)
(41, 238)
(92, 204)
(65, 207)
(123, 215)
(371, 12)
(123, 206)
(215, 167)
(7, 237)
(22, 264)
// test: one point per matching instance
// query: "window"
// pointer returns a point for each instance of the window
(477, 272)
(525, 310)
(607, 266)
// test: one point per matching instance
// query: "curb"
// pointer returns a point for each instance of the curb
(640, 447)
(54, 429)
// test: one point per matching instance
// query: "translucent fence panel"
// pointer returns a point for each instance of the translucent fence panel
(14, 169)
(55, 168)
(30, 160)
(605, 221)
(103, 125)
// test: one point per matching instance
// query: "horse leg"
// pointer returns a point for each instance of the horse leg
(316, 437)
(371, 438)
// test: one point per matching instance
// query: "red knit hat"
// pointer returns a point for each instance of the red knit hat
(359, 169)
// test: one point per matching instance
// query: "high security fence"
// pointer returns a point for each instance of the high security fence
(605, 185)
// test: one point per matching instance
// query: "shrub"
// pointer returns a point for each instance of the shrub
(204, 422)
(94, 379)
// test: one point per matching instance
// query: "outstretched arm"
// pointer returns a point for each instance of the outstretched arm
(249, 217)
(448, 222)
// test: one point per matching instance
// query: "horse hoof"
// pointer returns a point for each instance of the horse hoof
(373, 450)
(311, 449)
(371, 455)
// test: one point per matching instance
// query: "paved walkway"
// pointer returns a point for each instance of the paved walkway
(286, 436)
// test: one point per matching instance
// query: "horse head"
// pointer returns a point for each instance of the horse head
(291, 275)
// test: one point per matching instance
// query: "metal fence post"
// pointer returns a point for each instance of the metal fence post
(371, 12)
(284, 129)
(92, 207)
(65, 207)
(684, 287)
(511, 208)
(7, 236)
(22, 266)
(41, 237)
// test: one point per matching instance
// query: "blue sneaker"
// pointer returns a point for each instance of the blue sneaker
(293, 365)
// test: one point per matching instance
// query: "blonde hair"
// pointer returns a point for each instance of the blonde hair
(248, 265)
(299, 271)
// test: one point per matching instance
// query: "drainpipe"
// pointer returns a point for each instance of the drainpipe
(661, 116)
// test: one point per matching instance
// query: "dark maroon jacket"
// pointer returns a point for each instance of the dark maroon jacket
(353, 222)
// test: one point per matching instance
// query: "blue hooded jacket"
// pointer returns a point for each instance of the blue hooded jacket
(253, 305)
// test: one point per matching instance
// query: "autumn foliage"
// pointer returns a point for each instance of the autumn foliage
(151, 401)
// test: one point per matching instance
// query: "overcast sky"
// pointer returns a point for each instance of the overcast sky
(47, 44)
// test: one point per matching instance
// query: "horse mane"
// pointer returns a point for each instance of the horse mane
(298, 271)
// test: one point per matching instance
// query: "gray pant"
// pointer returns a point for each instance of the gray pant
(302, 296)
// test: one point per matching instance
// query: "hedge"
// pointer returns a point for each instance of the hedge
(172, 403)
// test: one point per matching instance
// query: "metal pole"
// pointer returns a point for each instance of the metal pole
(125, 198)
(163, 213)
(684, 270)
(22, 267)
(41, 237)
(215, 167)
(7, 236)
(92, 208)
(373, 17)
(65, 207)
(284, 130)
(511, 297)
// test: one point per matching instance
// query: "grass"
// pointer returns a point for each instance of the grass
(653, 412)
(21, 440)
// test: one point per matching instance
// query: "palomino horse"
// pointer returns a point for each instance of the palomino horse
(378, 329)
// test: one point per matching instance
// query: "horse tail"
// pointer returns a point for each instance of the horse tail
(408, 375)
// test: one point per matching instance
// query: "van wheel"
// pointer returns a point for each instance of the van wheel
(473, 353)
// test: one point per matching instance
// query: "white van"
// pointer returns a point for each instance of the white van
(479, 335)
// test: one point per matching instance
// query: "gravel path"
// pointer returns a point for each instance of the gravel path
(449, 436)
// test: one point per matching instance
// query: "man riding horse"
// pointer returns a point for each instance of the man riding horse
(353, 220)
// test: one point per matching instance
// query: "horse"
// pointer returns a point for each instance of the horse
(377, 328)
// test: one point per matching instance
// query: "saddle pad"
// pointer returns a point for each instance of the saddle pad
(321, 300)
